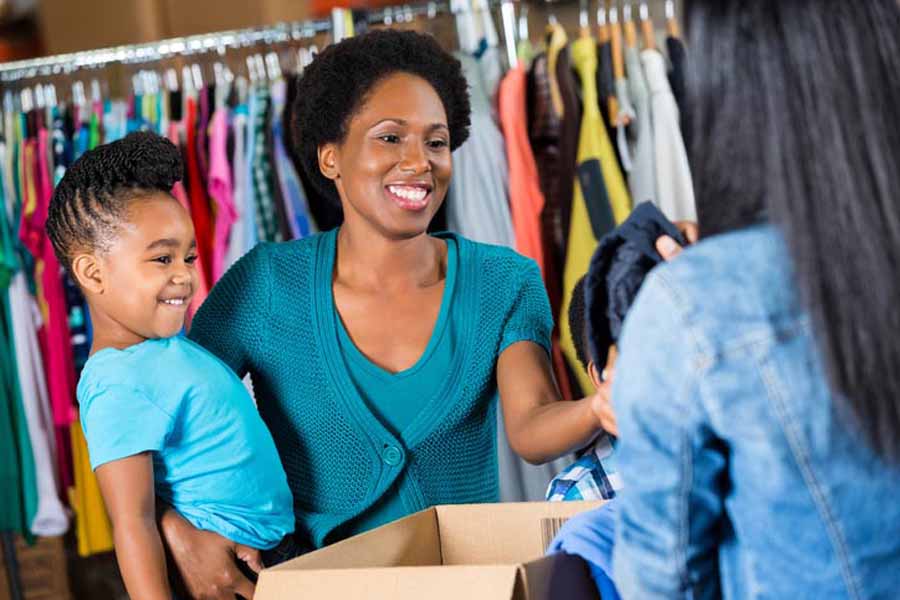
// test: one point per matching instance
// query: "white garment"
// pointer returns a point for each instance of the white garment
(675, 189)
(51, 518)
(478, 200)
(642, 179)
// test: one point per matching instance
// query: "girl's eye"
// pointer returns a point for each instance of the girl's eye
(438, 144)
(389, 138)
(164, 260)
(191, 259)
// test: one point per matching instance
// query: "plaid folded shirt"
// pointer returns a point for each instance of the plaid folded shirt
(591, 477)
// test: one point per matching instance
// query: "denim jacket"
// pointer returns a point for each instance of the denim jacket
(744, 475)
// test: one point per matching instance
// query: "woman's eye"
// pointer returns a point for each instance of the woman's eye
(164, 260)
(390, 138)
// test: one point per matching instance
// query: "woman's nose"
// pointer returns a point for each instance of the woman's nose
(415, 159)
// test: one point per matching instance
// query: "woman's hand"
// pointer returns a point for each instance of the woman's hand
(207, 561)
(603, 410)
(669, 248)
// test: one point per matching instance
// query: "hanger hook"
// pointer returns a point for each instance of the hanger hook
(645, 11)
(670, 9)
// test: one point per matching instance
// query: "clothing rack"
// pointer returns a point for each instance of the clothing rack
(63, 64)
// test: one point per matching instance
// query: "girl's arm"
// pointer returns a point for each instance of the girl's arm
(127, 488)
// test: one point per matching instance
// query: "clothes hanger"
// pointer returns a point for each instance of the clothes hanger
(672, 21)
(618, 63)
(508, 14)
(603, 36)
(629, 28)
(649, 34)
(486, 23)
(584, 19)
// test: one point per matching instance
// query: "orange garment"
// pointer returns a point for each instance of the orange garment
(525, 197)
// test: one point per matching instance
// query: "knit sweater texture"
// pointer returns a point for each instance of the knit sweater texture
(273, 316)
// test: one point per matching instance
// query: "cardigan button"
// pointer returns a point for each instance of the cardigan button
(392, 456)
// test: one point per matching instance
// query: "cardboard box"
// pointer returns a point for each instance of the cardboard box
(462, 552)
(203, 16)
(69, 26)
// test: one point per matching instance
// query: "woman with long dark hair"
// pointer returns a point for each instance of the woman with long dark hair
(758, 382)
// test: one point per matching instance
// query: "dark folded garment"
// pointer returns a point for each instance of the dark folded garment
(618, 268)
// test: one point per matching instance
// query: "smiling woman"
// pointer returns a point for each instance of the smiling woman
(377, 351)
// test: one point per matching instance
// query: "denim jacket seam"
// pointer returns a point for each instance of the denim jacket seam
(835, 533)
(700, 362)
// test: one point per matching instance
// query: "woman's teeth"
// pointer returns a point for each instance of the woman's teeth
(414, 194)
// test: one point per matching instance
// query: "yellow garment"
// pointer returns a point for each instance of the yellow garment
(556, 41)
(93, 528)
(593, 144)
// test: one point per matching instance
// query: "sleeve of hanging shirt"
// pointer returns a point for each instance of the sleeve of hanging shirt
(530, 319)
(120, 421)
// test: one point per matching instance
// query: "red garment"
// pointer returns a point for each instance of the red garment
(525, 197)
(53, 336)
(202, 289)
(199, 202)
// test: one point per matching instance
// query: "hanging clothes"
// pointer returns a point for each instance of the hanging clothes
(54, 334)
(93, 528)
(236, 245)
(525, 197)
(477, 205)
(264, 185)
(199, 202)
(675, 187)
(299, 221)
(642, 178)
(18, 477)
(221, 190)
(545, 134)
(49, 518)
(201, 290)
(600, 191)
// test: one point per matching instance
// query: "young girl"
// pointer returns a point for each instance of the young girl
(163, 418)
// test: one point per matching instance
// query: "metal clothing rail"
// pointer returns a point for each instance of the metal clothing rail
(211, 42)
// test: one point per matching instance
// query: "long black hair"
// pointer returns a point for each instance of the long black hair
(795, 106)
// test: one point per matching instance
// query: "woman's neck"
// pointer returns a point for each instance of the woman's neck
(369, 259)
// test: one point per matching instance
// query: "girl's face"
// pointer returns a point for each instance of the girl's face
(147, 276)
(393, 168)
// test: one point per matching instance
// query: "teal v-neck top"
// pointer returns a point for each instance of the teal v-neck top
(273, 316)
(398, 398)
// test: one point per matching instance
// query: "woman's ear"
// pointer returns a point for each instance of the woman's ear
(328, 160)
(88, 273)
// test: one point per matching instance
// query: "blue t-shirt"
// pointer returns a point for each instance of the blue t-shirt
(214, 460)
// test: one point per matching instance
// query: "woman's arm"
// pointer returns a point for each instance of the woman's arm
(127, 488)
(540, 425)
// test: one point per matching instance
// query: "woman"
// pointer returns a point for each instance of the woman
(771, 468)
(376, 350)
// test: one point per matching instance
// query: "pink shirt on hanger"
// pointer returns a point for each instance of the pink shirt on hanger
(221, 190)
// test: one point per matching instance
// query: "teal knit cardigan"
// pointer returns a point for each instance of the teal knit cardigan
(272, 315)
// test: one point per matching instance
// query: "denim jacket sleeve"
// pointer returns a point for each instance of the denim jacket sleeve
(672, 465)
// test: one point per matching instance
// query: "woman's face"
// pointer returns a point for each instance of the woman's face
(393, 168)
